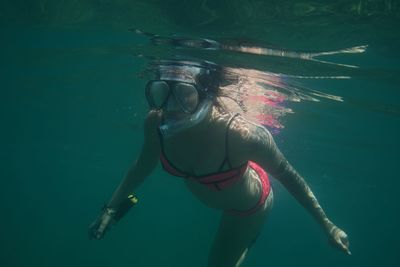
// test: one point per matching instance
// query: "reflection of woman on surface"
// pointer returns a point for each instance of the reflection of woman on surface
(223, 158)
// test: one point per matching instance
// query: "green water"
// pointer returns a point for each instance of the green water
(72, 108)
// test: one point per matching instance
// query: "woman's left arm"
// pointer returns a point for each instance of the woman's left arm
(264, 151)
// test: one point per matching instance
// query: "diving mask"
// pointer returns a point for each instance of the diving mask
(185, 95)
(184, 91)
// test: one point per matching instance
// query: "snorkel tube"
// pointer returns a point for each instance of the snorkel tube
(171, 127)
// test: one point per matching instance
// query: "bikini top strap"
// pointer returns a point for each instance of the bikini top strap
(226, 160)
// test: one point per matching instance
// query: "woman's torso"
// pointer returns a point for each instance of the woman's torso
(202, 151)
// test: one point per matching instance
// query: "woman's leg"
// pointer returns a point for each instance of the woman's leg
(235, 235)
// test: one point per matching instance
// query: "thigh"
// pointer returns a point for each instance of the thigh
(235, 235)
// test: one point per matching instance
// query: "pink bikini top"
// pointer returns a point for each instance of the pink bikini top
(216, 180)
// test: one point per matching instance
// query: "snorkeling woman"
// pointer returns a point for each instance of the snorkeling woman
(224, 159)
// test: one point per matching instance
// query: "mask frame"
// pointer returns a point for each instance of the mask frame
(172, 87)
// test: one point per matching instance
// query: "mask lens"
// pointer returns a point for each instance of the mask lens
(187, 97)
(157, 93)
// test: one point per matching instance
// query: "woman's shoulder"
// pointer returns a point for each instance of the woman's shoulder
(245, 129)
(240, 129)
(245, 137)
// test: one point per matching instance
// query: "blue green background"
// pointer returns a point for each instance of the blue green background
(72, 108)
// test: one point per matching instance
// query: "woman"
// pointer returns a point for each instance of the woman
(223, 157)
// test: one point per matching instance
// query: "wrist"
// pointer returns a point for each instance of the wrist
(117, 212)
(108, 211)
(328, 226)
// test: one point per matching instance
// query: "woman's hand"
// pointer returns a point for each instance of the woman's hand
(103, 223)
(339, 239)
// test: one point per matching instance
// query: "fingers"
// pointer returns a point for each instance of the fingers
(94, 232)
(102, 227)
(98, 229)
(338, 238)
(345, 245)
(345, 249)
(99, 235)
(343, 242)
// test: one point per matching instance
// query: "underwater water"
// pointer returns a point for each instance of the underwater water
(72, 107)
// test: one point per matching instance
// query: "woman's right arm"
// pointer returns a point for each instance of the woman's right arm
(135, 176)
(144, 165)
